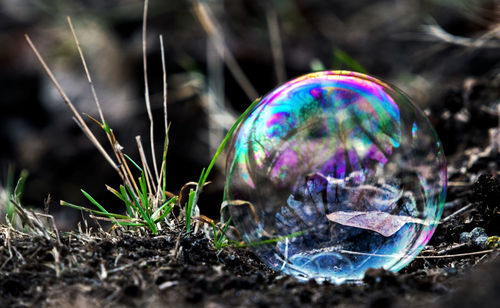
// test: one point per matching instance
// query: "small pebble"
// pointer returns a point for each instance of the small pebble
(477, 232)
(464, 237)
(481, 241)
(476, 237)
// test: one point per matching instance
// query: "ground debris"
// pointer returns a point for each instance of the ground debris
(133, 270)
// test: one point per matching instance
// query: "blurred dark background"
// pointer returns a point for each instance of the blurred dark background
(434, 50)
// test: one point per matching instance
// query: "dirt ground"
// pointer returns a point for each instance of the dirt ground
(178, 270)
(453, 75)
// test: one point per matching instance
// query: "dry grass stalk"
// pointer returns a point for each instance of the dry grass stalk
(463, 209)
(87, 73)
(276, 46)
(164, 70)
(488, 40)
(147, 172)
(146, 86)
(212, 28)
(154, 184)
(81, 123)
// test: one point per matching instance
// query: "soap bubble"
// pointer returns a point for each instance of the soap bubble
(333, 173)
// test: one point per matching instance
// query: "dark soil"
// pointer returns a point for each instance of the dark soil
(103, 270)
(457, 86)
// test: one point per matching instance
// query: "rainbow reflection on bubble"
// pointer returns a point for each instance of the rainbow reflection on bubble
(333, 173)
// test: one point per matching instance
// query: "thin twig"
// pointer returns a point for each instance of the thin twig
(276, 46)
(35, 223)
(146, 86)
(456, 213)
(19, 255)
(23, 216)
(66, 99)
(466, 254)
(175, 252)
(57, 261)
(487, 40)
(458, 184)
(56, 231)
(103, 274)
(39, 225)
(116, 221)
(121, 268)
(453, 247)
(167, 284)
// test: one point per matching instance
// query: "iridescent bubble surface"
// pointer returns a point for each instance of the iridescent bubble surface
(333, 173)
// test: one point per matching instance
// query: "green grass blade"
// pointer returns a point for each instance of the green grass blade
(92, 200)
(129, 205)
(164, 163)
(201, 181)
(226, 139)
(341, 58)
(226, 225)
(106, 127)
(199, 188)
(144, 216)
(220, 238)
(165, 213)
(132, 224)
(189, 210)
(205, 172)
(115, 192)
(137, 205)
(142, 183)
(101, 213)
(18, 190)
(153, 228)
(133, 162)
(144, 194)
(123, 198)
(214, 228)
(277, 239)
(316, 65)
(174, 199)
(268, 241)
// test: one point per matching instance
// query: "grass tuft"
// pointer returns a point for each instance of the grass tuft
(220, 238)
(11, 195)
(146, 201)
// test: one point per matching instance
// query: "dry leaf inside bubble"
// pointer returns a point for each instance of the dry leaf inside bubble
(380, 222)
